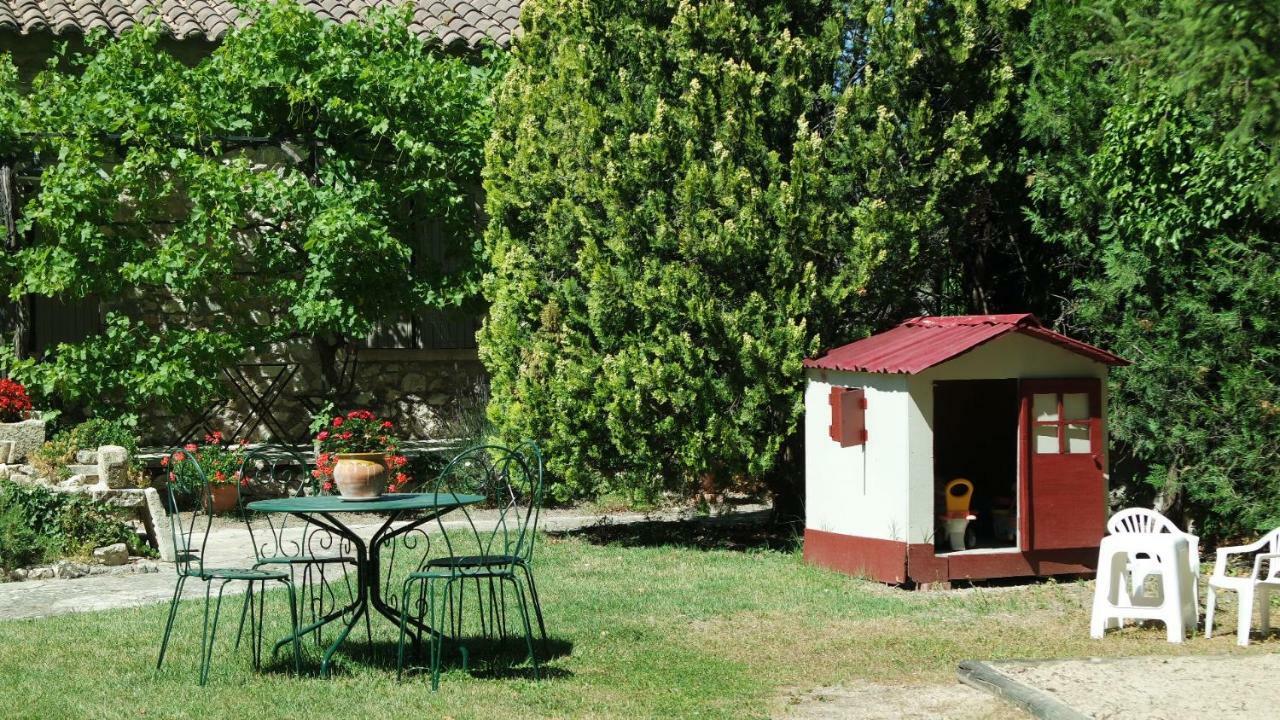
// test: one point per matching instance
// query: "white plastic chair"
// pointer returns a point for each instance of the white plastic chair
(1112, 601)
(1246, 587)
(1145, 565)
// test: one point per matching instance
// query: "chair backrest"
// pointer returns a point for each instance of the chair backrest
(188, 485)
(280, 468)
(1141, 520)
(510, 480)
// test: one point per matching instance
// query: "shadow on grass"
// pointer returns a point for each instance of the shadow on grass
(487, 658)
(741, 532)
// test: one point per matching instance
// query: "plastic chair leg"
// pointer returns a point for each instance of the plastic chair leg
(1246, 616)
(1210, 604)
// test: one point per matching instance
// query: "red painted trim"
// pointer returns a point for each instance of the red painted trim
(874, 558)
(1022, 506)
(892, 561)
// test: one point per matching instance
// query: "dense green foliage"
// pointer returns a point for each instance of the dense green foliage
(276, 189)
(1158, 177)
(686, 200)
(53, 457)
(39, 525)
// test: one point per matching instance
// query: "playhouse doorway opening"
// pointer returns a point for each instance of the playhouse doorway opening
(975, 437)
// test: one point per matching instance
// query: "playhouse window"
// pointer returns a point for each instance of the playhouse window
(1062, 423)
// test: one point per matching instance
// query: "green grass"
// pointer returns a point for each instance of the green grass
(640, 632)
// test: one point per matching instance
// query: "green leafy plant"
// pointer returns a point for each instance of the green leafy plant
(52, 458)
(38, 525)
(276, 189)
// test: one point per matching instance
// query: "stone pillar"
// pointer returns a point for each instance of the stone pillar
(113, 467)
(159, 525)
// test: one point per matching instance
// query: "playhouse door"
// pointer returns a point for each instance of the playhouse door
(1063, 494)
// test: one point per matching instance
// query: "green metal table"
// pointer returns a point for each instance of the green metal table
(326, 511)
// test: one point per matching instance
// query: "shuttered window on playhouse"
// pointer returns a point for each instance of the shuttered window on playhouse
(848, 416)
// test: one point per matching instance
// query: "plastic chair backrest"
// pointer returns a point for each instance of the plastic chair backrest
(1141, 520)
(510, 479)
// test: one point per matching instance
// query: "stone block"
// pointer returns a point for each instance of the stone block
(113, 466)
(116, 554)
(19, 439)
(159, 525)
(87, 457)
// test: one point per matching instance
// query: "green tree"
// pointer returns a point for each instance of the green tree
(274, 190)
(685, 200)
(1157, 178)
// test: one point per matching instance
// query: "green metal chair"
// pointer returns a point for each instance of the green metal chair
(190, 540)
(497, 551)
(287, 542)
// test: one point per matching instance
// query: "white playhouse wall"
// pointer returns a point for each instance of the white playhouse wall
(858, 490)
(885, 488)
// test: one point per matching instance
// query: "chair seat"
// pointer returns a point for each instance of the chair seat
(243, 574)
(306, 560)
(474, 561)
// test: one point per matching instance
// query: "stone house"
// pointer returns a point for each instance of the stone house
(417, 371)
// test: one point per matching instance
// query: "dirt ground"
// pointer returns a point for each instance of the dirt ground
(1158, 688)
(872, 701)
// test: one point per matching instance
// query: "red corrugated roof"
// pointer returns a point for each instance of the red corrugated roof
(920, 343)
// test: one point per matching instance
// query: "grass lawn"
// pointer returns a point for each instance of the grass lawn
(638, 630)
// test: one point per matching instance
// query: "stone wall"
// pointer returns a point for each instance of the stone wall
(424, 392)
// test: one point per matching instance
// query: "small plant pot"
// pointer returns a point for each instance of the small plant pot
(360, 476)
(223, 496)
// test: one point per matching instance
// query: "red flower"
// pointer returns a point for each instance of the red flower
(15, 404)
(346, 435)
(179, 456)
(337, 422)
(387, 424)
(164, 461)
(190, 446)
(172, 477)
(220, 476)
(324, 435)
(327, 487)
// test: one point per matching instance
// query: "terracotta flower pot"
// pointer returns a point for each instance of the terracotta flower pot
(360, 475)
(224, 498)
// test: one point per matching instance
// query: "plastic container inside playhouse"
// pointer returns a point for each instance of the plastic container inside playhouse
(960, 447)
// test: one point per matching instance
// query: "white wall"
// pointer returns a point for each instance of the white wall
(860, 490)
(1009, 356)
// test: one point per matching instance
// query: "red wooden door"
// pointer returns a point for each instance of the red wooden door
(1063, 494)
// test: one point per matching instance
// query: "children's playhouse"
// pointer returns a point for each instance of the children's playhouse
(952, 448)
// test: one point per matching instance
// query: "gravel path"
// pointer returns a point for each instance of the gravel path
(872, 701)
(1158, 688)
(229, 546)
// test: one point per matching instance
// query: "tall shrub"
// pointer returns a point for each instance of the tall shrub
(1157, 176)
(686, 199)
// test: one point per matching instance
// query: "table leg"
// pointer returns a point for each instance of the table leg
(357, 607)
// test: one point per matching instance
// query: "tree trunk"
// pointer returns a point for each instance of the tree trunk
(786, 482)
(20, 309)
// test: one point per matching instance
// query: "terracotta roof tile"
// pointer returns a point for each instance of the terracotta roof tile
(451, 22)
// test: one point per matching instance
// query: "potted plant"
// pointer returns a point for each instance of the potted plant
(221, 465)
(20, 433)
(358, 455)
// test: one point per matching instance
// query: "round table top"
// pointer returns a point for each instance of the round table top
(387, 502)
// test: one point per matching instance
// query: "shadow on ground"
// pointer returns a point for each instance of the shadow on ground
(487, 658)
(739, 531)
